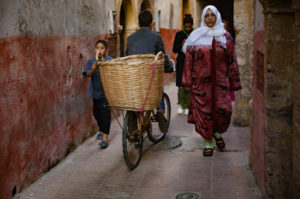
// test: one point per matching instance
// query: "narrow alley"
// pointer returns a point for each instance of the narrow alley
(163, 173)
(244, 50)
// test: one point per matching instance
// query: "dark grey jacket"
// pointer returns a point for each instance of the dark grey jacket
(144, 41)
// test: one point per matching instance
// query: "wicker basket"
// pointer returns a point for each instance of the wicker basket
(133, 82)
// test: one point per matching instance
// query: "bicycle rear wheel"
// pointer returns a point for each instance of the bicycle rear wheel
(132, 140)
(155, 135)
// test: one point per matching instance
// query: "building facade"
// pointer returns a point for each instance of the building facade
(45, 108)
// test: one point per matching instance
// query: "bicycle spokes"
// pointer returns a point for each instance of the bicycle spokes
(132, 141)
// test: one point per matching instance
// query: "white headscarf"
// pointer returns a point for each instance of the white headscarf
(204, 34)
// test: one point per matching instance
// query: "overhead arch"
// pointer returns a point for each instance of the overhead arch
(127, 15)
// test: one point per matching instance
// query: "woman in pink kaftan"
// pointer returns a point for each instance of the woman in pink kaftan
(210, 72)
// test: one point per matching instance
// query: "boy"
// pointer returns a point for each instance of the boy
(100, 106)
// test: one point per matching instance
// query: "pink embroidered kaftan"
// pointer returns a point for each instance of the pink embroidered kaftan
(211, 72)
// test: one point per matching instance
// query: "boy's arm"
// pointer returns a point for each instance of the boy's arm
(89, 69)
(89, 73)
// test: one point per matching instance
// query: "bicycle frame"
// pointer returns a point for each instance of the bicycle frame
(143, 122)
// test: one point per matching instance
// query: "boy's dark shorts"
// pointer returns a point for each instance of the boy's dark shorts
(102, 114)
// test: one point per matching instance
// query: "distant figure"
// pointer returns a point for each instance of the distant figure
(100, 106)
(210, 72)
(226, 24)
(181, 36)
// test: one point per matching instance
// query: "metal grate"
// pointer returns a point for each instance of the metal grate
(188, 195)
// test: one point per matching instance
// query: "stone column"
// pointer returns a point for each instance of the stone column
(243, 24)
(279, 69)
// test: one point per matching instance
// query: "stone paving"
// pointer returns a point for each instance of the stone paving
(163, 173)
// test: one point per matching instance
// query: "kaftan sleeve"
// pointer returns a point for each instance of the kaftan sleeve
(187, 69)
(233, 70)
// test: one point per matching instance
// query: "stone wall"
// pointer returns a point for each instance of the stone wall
(45, 108)
(296, 105)
(279, 67)
(243, 25)
(281, 96)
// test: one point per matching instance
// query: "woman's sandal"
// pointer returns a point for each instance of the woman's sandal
(220, 142)
(208, 152)
(99, 136)
(103, 144)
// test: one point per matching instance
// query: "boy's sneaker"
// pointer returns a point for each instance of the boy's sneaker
(103, 144)
(99, 136)
(179, 110)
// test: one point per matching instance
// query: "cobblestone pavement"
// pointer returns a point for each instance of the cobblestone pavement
(163, 173)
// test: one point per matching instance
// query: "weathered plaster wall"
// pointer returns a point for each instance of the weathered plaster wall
(45, 108)
(257, 125)
(243, 24)
(170, 22)
(44, 18)
(166, 19)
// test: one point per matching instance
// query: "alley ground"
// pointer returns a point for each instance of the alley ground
(163, 172)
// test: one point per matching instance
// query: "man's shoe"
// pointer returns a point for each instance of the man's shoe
(162, 122)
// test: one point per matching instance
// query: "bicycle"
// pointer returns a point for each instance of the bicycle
(140, 119)
(136, 125)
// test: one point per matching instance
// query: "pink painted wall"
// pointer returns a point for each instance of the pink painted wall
(45, 109)
(257, 147)
(257, 159)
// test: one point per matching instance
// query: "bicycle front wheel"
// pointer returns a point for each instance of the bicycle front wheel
(156, 134)
(132, 140)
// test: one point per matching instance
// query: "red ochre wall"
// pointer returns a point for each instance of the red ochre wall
(168, 37)
(45, 107)
(257, 151)
(257, 146)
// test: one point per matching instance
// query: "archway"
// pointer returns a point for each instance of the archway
(127, 16)
(185, 8)
(146, 5)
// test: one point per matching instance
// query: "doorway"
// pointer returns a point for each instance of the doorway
(128, 22)
(185, 8)
(146, 5)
